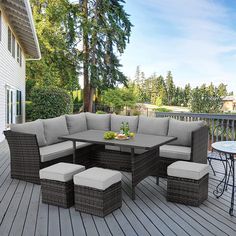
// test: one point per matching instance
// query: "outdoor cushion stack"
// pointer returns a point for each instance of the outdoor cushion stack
(187, 183)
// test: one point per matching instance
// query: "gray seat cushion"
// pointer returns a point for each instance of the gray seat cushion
(58, 150)
(97, 178)
(98, 121)
(183, 131)
(62, 172)
(34, 127)
(116, 121)
(175, 152)
(54, 128)
(188, 170)
(76, 123)
(153, 126)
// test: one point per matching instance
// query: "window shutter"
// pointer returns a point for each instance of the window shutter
(13, 46)
(9, 39)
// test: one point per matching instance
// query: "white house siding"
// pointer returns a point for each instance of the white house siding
(11, 74)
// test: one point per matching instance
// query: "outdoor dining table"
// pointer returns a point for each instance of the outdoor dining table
(227, 152)
(140, 165)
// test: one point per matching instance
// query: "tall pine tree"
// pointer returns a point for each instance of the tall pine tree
(104, 30)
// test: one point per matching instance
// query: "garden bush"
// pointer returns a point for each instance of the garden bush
(77, 105)
(101, 112)
(49, 102)
(162, 109)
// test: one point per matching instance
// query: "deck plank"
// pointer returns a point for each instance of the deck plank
(54, 221)
(19, 221)
(32, 214)
(23, 213)
(89, 224)
(65, 222)
(77, 223)
(9, 217)
(42, 219)
(101, 226)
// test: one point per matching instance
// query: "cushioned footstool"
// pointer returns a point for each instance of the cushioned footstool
(187, 183)
(98, 191)
(57, 184)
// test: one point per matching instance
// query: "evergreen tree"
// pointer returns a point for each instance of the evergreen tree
(170, 88)
(104, 29)
(205, 100)
(187, 94)
(222, 90)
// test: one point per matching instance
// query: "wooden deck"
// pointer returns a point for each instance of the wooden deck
(22, 213)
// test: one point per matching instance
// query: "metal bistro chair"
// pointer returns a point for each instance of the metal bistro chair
(222, 132)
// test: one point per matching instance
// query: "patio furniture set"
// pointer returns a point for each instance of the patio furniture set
(43, 149)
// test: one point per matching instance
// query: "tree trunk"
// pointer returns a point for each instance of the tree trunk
(86, 94)
(91, 96)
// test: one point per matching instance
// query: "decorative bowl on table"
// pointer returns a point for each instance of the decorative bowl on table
(113, 135)
(122, 137)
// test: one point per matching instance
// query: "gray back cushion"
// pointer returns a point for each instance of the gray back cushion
(54, 128)
(98, 121)
(153, 126)
(34, 127)
(116, 121)
(183, 131)
(76, 123)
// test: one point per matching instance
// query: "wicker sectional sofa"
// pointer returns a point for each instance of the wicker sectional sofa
(35, 145)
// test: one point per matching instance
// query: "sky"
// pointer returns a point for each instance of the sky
(194, 39)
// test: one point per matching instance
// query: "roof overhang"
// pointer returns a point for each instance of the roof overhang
(21, 20)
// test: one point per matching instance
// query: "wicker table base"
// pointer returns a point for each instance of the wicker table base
(98, 202)
(140, 165)
(187, 191)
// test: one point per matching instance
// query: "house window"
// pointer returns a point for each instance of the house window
(0, 26)
(18, 53)
(9, 39)
(13, 46)
(20, 57)
(18, 103)
(10, 107)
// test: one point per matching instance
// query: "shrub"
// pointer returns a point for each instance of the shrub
(77, 104)
(163, 109)
(136, 112)
(28, 110)
(49, 102)
(101, 112)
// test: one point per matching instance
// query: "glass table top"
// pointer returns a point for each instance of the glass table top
(225, 146)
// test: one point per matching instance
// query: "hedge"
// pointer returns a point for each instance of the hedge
(49, 102)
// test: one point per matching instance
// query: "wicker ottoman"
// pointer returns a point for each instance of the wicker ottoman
(187, 183)
(98, 191)
(57, 184)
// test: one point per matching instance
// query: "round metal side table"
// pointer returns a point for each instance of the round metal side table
(227, 152)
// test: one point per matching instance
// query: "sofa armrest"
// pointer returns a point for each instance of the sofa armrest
(24, 156)
(200, 145)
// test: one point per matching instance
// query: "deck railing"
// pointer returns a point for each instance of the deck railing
(221, 126)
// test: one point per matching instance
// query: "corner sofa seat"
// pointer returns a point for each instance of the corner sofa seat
(35, 145)
(167, 151)
(58, 150)
(176, 152)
